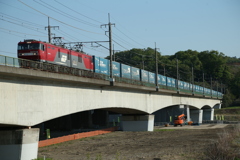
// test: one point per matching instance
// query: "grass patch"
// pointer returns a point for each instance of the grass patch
(163, 130)
(234, 107)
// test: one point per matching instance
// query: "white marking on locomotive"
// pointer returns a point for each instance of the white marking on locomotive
(74, 62)
(64, 58)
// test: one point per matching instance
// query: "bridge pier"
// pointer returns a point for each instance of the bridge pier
(208, 114)
(187, 112)
(218, 106)
(137, 122)
(196, 115)
(19, 144)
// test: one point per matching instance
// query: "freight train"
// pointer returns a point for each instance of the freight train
(49, 53)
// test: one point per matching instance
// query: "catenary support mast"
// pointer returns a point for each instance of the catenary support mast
(110, 47)
(49, 30)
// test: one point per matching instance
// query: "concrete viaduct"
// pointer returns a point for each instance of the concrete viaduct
(29, 97)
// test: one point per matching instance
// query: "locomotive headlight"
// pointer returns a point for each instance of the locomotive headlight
(29, 54)
(34, 53)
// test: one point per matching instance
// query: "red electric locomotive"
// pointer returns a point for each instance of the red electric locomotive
(46, 52)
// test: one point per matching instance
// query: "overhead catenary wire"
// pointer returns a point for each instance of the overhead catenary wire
(20, 9)
(119, 24)
(122, 40)
(130, 38)
(21, 20)
(77, 39)
(22, 32)
(52, 8)
(12, 34)
(59, 20)
(32, 28)
(67, 35)
(78, 12)
(7, 52)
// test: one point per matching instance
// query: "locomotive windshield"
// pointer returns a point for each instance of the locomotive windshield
(29, 46)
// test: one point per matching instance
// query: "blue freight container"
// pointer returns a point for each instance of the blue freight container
(116, 69)
(164, 80)
(161, 80)
(144, 75)
(214, 93)
(174, 82)
(208, 91)
(190, 86)
(126, 71)
(151, 77)
(187, 86)
(220, 94)
(169, 82)
(135, 73)
(104, 66)
(101, 65)
(204, 90)
(197, 88)
(180, 84)
(96, 64)
(201, 89)
(193, 88)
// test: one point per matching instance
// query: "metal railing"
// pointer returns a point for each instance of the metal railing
(43, 66)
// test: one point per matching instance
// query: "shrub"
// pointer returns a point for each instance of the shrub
(224, 148)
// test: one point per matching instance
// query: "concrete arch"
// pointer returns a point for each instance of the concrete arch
(217, 106)
(125, 111)
(120, 110)
(206, 107)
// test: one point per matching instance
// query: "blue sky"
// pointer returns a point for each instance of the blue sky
(175, 25)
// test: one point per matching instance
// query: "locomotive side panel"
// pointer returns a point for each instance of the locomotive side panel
(58, 55)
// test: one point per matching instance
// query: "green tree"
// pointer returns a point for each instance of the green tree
(235, 85)
(140, 58)
(213, 63)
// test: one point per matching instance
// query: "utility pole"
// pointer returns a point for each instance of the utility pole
(49, 30)
(221, 88)
(113, 53)
(211, 86)
(177, 77)
(164, 71)
(110, 47)
(203, 83)
(142, 62)
(156, 74)
(192, 81)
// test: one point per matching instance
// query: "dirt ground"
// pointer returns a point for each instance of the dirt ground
(165, 143)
